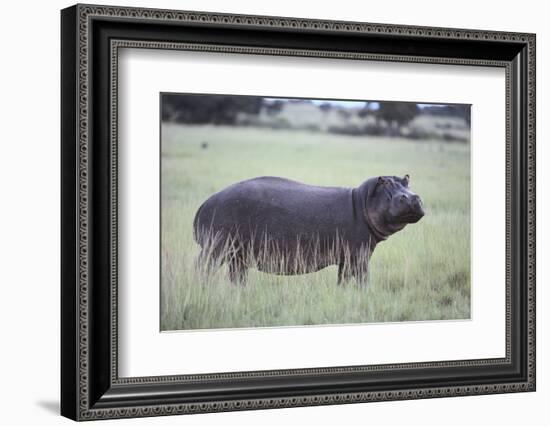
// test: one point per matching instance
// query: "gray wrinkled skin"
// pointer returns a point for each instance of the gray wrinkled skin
(286, 227)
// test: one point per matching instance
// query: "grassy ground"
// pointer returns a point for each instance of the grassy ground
(420, 273)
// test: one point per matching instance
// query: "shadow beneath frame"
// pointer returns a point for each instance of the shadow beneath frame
(50, 406)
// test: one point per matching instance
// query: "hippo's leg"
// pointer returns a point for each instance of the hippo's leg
(237, 269)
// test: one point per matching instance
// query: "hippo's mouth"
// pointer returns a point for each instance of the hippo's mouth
(413, 217)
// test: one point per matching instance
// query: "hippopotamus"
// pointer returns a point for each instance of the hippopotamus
(282, 226)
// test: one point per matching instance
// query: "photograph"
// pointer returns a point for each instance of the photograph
(300, 212)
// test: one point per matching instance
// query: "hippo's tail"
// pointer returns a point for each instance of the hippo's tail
(196, 235)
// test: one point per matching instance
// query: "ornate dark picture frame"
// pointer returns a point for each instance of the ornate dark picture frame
(90, 38)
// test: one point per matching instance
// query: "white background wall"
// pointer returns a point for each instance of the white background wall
(29, 211)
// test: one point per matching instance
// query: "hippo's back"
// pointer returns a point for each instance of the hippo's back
(278, 208)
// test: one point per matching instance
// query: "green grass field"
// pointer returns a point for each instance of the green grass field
(420, 273)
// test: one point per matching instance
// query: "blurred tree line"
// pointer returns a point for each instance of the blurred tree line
(208, 109)
(461, 111)
(390, 118)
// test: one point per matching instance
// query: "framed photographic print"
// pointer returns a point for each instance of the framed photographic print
(263, 212)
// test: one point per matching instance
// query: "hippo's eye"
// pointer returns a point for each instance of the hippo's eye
(403, 198)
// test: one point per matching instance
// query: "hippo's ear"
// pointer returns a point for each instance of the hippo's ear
(373, 186)
(405, 180)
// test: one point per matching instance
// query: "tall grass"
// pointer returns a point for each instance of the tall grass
(420, 273)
